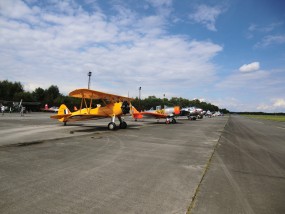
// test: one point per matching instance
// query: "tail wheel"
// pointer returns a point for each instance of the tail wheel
(123, 125)
(112, 126)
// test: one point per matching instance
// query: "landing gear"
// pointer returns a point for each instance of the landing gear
(123, 125)
(112, 126)
(167, 121)
(170, 120)
(64, 123)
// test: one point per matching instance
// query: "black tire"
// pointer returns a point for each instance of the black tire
(112, 126)
(123, 125)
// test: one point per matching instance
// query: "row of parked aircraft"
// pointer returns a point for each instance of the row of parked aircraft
(116, 106)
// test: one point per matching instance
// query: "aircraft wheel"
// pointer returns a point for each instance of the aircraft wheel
(173, 121)
(123, 125)
(64, 124)
(112, 126)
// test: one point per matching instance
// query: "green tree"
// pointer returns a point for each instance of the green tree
(51, 94)
(39, 94)
(25, 96)
(9, 89)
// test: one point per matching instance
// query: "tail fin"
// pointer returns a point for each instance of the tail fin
(135, 113)
(62, 114)
(63, 110)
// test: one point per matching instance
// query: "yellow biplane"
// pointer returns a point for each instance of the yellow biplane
(114, 106)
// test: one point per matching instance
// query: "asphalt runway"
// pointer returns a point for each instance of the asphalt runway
(247, 171)
(148, 168)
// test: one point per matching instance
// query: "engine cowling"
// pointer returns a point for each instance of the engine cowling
(125, 107)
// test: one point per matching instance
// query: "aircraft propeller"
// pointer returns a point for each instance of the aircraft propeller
(125, 107)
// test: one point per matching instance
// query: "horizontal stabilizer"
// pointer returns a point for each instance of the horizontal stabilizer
(59, 116)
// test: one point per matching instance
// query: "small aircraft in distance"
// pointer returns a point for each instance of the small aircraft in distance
(19, 106)
(114, 106)
(208, 114)
(51, 109)
(218, 113)
(167, 113)
(192, 113)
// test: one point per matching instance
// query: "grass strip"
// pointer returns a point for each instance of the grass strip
(279, 118)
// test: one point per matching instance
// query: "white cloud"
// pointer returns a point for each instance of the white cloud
(254, 66)
(207, 16)
(271, 40)
(248, 80)
(275, 105)
(265, 29)
(252, 91)
(230, 103)
(264, 107)
(123, 51)
(14, 9)
(279, 103)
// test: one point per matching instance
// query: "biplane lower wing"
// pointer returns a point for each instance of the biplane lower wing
(153, 114)
(60, 116)
(117, 106)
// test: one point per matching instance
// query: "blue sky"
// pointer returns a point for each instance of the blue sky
(229, 52)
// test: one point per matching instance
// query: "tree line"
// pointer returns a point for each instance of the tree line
(152, 102)
(14, 91)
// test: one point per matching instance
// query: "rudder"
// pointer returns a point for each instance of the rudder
(62, 114)
(135, 113)
(63, 110)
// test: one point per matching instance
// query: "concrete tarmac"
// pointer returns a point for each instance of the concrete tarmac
(149, 167)
(247, 171)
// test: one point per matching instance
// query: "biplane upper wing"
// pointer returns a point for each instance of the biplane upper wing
(91, 94)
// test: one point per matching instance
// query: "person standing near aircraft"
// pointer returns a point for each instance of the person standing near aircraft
(22, 111)
(2, 109)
